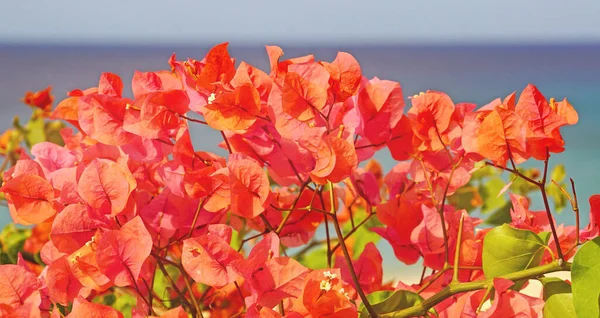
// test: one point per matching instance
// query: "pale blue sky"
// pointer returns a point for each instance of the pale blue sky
(393, 21)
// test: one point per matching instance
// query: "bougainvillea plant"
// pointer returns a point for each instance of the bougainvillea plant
(124, 216)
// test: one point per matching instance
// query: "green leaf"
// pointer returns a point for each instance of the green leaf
(500, 216)
(558, 174)
(586, 279)
(554, 286)
(467, 198)
(559, 198)
(34, 131)
(483, 171)
(119, 300)
(53, 129)
(384, 302)
(559, 306)
(315, 259)
(507, 250)
(12, 240)
(521, 186)
(545, 236)
(362, 236)
(489, 194)
(162, 285)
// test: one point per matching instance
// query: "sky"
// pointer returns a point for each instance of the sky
(307, 21)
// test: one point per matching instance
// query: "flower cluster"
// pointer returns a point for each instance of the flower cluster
(123, 203)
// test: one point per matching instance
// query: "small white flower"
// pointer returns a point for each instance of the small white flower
(325, 285)
(212, 98)
(329, 275)
(88, 243)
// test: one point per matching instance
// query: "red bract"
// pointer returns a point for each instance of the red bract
(121, 253)
(345, 75)
(41, 99)
(249, 186)
(509, 302)
(284, 225)
(101, 117)
(325, 296)
(63, 286)
(208, 259)
(368, 268)
(218, 68)
(83, 308)
(430, 115)
(277, 279)
(72, 228)
(106, 186)
(17, 285)
(380, 104)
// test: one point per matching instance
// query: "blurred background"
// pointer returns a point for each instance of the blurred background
(473, 50)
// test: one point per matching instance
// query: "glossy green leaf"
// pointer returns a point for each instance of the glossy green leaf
(559, 306)
(545, 236)
(384, 302)
(553, 286)
(586, 279)
(508, 250)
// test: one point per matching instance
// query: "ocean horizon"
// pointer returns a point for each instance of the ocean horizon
(467, 73)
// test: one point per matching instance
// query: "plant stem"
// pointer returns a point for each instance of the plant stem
(329, 251)
(361, 223)
(188, 285)
(457, 249)
(287, 216)
(198, 209)
(172, 282)
(457, 288)
(576, 210)
(542, 186)
(338, 231)
(194, 120)
(513, 171)
(226, 142)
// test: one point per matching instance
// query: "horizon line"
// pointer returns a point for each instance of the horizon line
(298, 44)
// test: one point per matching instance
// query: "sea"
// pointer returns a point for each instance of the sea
(468, 73)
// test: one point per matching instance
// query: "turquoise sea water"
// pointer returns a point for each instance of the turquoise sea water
(467, 73)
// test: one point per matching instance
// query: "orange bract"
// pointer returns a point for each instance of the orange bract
(304, 92)
(501, 136)
(235, 110)
(32, 196)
